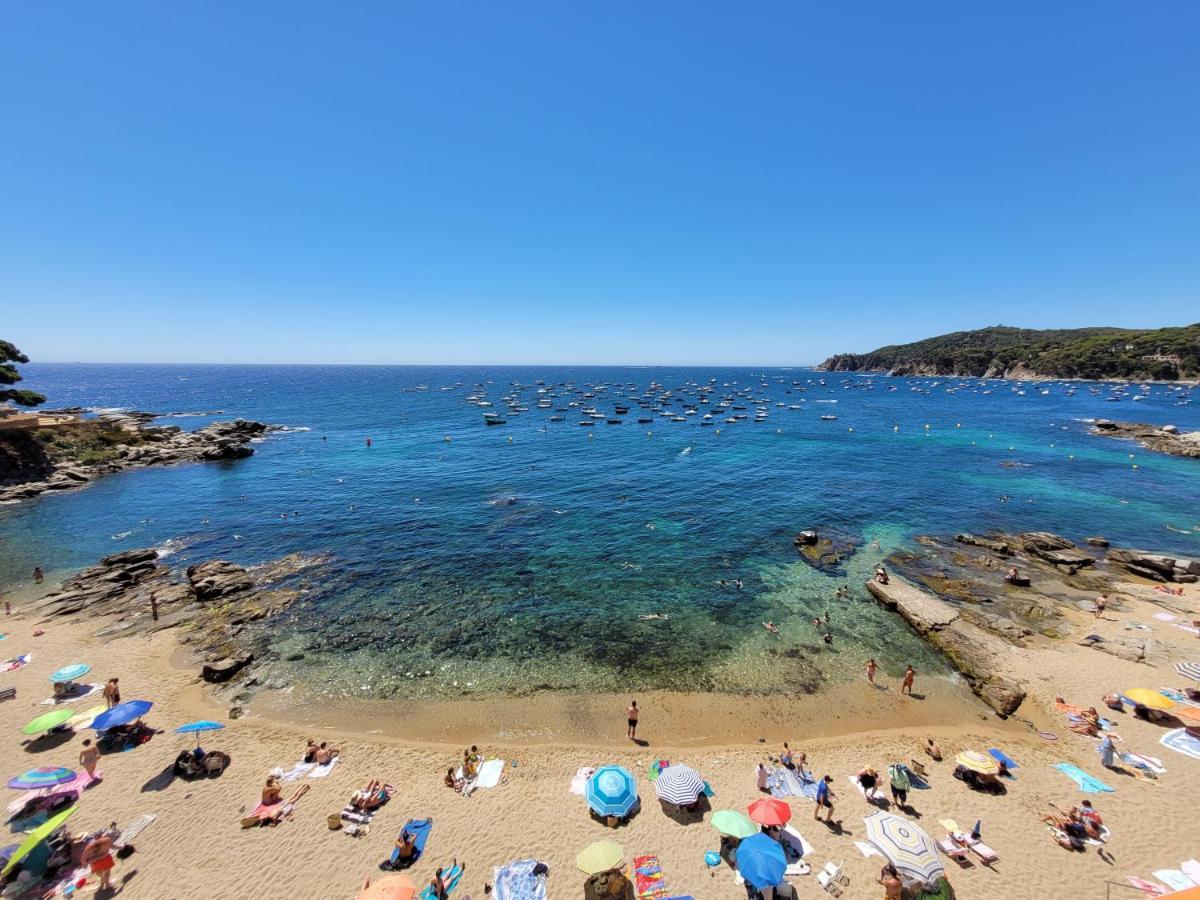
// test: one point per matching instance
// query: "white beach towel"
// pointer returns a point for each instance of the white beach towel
(1191, 869)
(322, 771)
(1188, 628)
(299, 770)
(489, 773)
(795, 840)
(1173, 878)
(867, 849)
(91, 689)
(579, 782)
(134, 828)
(876, 793)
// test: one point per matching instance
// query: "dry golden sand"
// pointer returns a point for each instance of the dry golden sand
(196, 848)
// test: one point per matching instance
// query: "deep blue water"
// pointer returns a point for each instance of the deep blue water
(521, 555)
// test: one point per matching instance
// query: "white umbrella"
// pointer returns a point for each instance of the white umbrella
(905, 846)
(679, 785)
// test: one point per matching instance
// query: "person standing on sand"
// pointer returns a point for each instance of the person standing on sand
(871, 667)
(1101, 605)
(825, 798)
(112, 693)
(154, 606)
(88, 757)
(631, 716)
(98, 855)
(38, 575)
(909, 674)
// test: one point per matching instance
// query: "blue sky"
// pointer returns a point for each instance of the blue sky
(668, 182)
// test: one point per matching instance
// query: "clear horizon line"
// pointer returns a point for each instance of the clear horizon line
(509, 365)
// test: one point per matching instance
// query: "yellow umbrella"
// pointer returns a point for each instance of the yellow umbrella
(977, 762)
(36, 836)
(1149, 698)
(83, 720)
(600, 857)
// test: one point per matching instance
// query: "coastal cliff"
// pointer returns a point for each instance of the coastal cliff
(72, 455)
(1160, 354)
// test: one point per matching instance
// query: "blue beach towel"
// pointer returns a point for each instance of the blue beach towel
(419, 829)
(1086, 782)
(914, 779)
(451, 877)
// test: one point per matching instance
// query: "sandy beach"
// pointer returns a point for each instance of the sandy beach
(196, 848)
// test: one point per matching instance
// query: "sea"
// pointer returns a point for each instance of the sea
(464, 559)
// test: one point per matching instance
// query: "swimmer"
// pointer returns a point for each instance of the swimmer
(771, 627)
(737, 582)
(653, 616)
(828, 639)
(650, 525)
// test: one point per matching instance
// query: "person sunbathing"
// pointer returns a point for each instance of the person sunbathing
(1177, 592)
(371, 797)
(406, 846)
(469, 765)
(933, 750)
(453, 781)
(310, 752)
(1086, 815)
(1112, 701)
(325, 754)
(272, 792)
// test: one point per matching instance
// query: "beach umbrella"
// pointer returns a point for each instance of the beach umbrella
(36, 779)
(122, 714)
(48, 721)
(1189, 670)
(679, 785)
(396, 886)
(760, 861)
(197, 727)
(84, 719)
(977, 762)
(600, 857)
(612, 791)
(733, 824)
(1148, 698)
(905, 846)
(770, 811)
(71, 672)
(36, 836)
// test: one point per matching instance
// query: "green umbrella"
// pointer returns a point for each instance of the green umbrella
(48, 721)
(36, 836)
(733, 823)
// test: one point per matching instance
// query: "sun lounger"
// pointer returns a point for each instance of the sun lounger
(9, 693)
(986, 854)
(953, 850)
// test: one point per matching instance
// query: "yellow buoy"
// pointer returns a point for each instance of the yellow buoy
(1135, 465)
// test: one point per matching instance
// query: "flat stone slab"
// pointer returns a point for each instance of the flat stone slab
(922, 610)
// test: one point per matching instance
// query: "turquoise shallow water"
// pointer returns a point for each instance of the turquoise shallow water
(520, 556)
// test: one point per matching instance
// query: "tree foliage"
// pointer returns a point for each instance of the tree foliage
(1166, 354)
(9, 375)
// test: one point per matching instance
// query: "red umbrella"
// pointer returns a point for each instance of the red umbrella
(770, 811)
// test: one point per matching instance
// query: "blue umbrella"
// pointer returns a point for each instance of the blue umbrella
(612, 791)
(760, 861)
(121, 714)
(197, 727)
(71, 672)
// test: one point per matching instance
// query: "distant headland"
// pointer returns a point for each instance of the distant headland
(1158, 354)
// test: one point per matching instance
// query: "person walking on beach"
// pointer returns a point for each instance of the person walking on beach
(631, 716)
(38, 575)
(88, 757)
(1101, 605)
(98, 855)
(871, 667)
(112, 693)
(909, 674)
(154, 606)
(825, 798)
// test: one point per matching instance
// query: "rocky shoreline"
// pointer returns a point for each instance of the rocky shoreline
(954, 592)
(28, 468)
(220, 608)
(1159, 438)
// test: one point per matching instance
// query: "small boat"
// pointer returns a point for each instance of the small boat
(645, 421)
(492, 418)
(828, 418)
(587, 423)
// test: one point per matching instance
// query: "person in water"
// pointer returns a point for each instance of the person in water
(771, 627)
(631, 716)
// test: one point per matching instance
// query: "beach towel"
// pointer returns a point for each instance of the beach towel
(1069, 709)
(11, 665)
(489, 773)
(793, 843)
(1147, 887)
(914, 779)
(1181, 742)
(1188, 628)
(323, 771)
(296, 772)
(579, 782)
(1173, 879)
(78, 692)
(419, 829)
(648, 878)
(451, 878)
(1140, 761)
(1164, 617)
(1000, 757)
(1191, 869)
(134, 828)
(867, 850)
(517, 881)
(876, 792)
(1086, 782)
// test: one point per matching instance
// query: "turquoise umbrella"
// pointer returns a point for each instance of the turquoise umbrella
(612, 791)
(36, 779)
(71, 672)
(197, 727)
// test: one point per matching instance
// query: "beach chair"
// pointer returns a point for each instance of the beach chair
(959, 854)
(986, 854)
(835, 873)
(829, 884)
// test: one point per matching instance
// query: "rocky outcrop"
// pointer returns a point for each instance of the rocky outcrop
(211, 607)
(825, 552)
(146, 446)
(1161, 439)
(1156, 566)
(979, 655)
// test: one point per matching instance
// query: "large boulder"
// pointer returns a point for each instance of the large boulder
(222, 670)
(218, 579)
(998, 547)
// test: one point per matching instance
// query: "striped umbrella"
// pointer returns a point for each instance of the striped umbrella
(71, 672)
(679, 785)
(36, 779)
(1189, 670)
(905, 846)
(612, 791)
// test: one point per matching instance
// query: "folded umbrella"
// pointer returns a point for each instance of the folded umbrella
(121, 714)
(760, 860)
